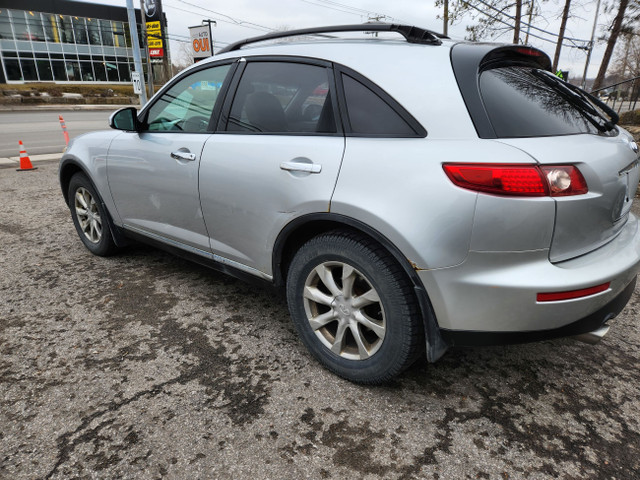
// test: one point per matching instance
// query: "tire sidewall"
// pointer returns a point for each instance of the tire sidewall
(387, 360)
(105, 246)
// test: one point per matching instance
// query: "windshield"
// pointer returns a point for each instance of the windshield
(528, 102)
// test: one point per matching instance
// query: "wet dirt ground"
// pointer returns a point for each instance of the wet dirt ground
(144, 365)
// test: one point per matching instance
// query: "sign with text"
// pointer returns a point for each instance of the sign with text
(153, 20)
(201, 46)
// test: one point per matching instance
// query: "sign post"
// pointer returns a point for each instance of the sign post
(136, 50)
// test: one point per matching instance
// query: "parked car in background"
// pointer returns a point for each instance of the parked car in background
(409, 194)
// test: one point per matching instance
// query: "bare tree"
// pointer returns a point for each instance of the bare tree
(563, 26)
(628, 14)
(493, 18)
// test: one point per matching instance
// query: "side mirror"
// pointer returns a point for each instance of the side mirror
(125, 119)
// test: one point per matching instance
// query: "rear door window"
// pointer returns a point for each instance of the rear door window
(283, 98)
(520, 104)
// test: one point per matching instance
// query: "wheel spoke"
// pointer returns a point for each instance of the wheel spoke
(80, 199)
(338, 342)
(327, 278)
(367, 322)
(81, 211)
(322, 320)
(366, 299)
(348, 279)
(312, 293)
(362, 349)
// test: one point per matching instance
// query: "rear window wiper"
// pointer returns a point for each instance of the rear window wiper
(583, 101)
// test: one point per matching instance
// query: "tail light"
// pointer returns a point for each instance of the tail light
(518, 180)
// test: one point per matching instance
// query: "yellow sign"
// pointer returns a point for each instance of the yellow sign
(154, 35)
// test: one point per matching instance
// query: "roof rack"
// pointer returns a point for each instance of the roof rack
(410, 33)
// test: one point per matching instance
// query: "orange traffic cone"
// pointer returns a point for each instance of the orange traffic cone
(25, 162)
(64, 129)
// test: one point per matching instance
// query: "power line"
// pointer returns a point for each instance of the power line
(526, 24)
(572, 45)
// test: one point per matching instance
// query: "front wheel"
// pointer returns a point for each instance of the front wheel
(90, 217)
(354, 307)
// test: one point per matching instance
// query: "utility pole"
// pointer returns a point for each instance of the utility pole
(137, 61)
(210, 34)
(145, 40)
(591, 43)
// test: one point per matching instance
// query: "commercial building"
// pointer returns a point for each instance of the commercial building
(66, 41)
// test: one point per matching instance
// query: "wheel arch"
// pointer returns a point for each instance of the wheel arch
(68, 168)
(303, 228)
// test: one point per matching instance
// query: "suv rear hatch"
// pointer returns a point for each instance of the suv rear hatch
(515, 100)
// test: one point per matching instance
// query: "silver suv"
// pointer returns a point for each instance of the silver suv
(409, 194)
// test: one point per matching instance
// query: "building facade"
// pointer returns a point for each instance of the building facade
(65, 41)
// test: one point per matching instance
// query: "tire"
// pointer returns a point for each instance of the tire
(354, 308)
(90, 217)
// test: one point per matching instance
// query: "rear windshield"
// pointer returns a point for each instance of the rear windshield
(520, 104)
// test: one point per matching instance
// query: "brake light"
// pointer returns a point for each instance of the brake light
(585, 292)
(517, 180)
(531, 52)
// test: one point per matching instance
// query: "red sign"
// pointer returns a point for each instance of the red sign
(156, 52)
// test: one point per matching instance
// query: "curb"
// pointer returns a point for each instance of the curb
(61, 107)
(15, 161)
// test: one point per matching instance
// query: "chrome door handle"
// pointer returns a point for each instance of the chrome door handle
(301, 167)
(186, 156)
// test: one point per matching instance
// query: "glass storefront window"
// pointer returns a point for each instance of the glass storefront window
(79, 30)
(59, 71)
(112, 71)
(29, 69)
(118, 34)
(65, 28)
(19, 25)
(44, 70)
(12, 69)
(107, 32)
(123, 70)
(93, 29)
(50, 28)
(34, 23)
(5, 25)
(73, 70)
(101, 74)
(87, 72)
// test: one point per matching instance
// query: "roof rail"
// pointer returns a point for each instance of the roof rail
(411, 34)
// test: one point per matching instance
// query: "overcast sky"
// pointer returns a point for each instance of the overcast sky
(238, 19)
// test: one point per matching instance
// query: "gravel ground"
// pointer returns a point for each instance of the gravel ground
(146, 366)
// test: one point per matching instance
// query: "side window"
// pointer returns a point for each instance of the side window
(187, 106)
(281, 97)
(371, 115)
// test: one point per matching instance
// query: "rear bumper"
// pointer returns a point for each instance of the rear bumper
(585, 325)
(493, 294)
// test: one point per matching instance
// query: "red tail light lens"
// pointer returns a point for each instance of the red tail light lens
(517, 180)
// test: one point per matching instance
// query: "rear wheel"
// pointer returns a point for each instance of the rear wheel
(90, 217)
(354, 308)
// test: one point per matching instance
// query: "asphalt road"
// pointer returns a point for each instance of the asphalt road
(144, 366)
(40, 130)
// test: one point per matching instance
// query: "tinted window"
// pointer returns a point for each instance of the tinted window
(187, 106)
(520, 104)
(369, 114)
(279, 97)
